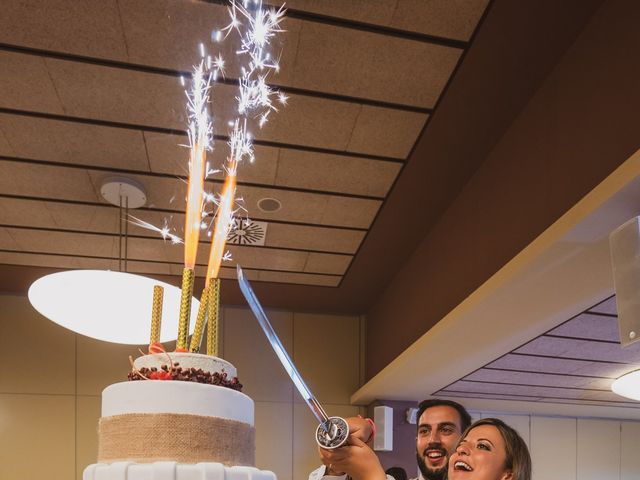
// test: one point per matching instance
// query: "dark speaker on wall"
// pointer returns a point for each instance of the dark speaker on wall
(624, 243)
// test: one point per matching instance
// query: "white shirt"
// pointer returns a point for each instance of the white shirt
(319, 474)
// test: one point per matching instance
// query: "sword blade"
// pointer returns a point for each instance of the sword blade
(281, 353)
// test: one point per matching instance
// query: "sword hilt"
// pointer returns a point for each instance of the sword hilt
(333, 433)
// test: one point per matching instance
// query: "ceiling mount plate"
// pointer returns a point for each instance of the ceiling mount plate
(131, 192)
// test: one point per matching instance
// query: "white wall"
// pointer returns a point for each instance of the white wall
(51, 382)
(578, 448)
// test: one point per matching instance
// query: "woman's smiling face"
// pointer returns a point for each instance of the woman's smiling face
(481, 455)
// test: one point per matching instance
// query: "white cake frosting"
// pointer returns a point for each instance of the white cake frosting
(168, 396)
(173, 471)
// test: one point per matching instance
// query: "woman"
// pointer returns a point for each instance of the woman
(490, 450)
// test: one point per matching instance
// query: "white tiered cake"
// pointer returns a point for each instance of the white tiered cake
(183, 418)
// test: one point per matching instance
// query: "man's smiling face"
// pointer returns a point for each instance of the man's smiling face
(439, 429)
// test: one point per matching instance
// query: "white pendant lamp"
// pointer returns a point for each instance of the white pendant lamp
(105, 305)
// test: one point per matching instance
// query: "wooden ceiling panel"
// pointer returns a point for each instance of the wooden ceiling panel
(83, 263)
(93, 91)
(281, 167)
(167, 33)
(86, 28)
(350, 212)
(335, 173)
(327, 263)
(65, 243)
(539, 364)
(147, 268)
(25, 84)
(520, 398)
(596, 326)
(20, 212)
(84, 217)
(69, 216)
(311, 207)
(54, 261)
(529, 390)
(51, 215)
(153, 249)
(303, 207)
(7, 240)
(265, 258)
(608, 307)
(5, 146)
(566, 347)
(382, 131)
(563, 366)
(262, 171)
(377, 12)
(541, 379)
(443, 18)
(281, 235)
(313, 122)
(547, 394)
(608, 370)
(104, 219)
(300, 278)
(362, 64)
(176, 270)
(167, 154)
(313, 238)
(230, 272)
(46, 181)
(43, 139)
(455, 19)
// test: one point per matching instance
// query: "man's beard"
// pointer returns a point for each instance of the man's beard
(439, 474)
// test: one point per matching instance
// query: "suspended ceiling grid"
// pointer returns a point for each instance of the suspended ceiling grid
(92, 90)
(574, 363)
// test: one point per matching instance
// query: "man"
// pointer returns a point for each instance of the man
(440, 425)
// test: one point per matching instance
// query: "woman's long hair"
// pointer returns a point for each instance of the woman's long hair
(518, 459)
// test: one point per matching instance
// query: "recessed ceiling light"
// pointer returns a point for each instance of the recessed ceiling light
(269, 205)
(628, 385)
(110, 306)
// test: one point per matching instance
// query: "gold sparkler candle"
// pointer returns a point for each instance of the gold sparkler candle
(194, 346)
(213, 300)
(199, 138)
(188, 276)
(156, 314)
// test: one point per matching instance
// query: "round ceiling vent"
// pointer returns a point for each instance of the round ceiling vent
(269, 205)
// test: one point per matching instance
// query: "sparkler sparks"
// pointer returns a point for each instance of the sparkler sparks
(165, 231)
(256, 27)
(200, 136)
(254, 100)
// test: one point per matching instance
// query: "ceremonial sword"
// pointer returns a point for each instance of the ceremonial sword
(332, 431)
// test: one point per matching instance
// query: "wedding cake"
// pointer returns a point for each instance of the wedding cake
(181, 416)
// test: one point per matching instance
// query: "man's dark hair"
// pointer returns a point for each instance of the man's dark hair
(465, 418)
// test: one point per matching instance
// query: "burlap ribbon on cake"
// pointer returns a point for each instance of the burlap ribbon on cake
(151, 437)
